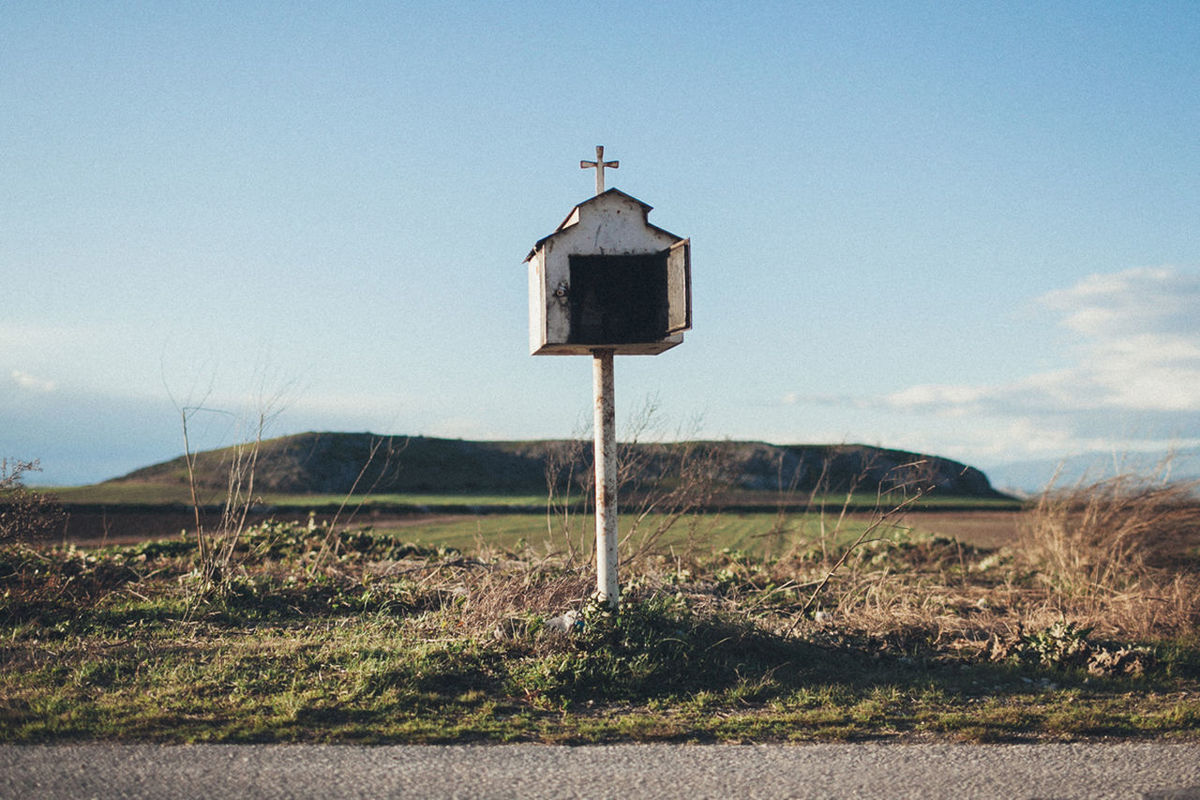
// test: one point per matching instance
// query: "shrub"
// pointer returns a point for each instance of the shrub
(25, 515)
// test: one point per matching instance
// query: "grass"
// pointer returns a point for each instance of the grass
(366, 681)
(747, 532)
(122, 494)
(913, 637)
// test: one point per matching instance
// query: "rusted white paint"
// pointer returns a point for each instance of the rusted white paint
(604, 418)
(612, 223)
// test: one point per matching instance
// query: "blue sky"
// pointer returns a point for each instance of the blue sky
(967, 229)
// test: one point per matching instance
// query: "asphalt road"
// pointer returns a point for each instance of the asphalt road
(1012, 772)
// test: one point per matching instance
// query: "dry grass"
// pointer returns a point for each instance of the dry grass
(505, 593)
(1122, 553)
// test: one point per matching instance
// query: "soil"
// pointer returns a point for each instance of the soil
(989, 529)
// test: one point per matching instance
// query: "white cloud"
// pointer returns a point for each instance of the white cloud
(31, 382)
(1134, 382)
(1146, 300)
(997, 441)
(844, 400)
(1139, 339)
(1137, 349)
(937, 397)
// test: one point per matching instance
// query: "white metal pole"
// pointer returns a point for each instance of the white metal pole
(607, 588)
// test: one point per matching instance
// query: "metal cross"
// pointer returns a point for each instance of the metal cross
(599, 164)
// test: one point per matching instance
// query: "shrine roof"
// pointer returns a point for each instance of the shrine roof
(573, 216)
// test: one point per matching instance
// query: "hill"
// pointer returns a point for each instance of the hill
(331, 463)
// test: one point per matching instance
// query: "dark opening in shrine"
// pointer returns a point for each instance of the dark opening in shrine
(618, 299)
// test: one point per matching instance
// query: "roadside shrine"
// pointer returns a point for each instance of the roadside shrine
(605, 283)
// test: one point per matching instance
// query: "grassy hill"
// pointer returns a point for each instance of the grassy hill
(334, 463)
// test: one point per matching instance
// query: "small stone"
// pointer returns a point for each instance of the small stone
(564, 623)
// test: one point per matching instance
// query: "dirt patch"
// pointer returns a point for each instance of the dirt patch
(988, 529)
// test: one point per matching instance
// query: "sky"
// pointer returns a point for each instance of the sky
(967, 229)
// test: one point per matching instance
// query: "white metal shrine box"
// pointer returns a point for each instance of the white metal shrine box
(608, 279)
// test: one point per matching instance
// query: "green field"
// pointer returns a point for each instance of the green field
(758, 533)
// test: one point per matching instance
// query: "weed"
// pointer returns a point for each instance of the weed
(25, 515)
(216, 547)
(1061, 646)
(330, 544)
(662, 486)
(1064, 646)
